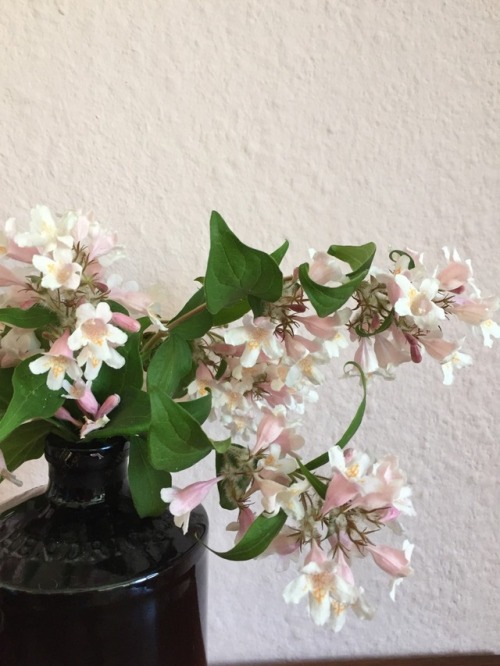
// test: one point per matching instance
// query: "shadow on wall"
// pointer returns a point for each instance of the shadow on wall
(447, 660)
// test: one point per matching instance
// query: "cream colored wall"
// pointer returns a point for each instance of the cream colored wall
(318, 121)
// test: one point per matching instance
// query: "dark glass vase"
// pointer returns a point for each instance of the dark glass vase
(84, 581)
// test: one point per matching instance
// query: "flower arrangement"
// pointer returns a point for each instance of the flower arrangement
(87, 356)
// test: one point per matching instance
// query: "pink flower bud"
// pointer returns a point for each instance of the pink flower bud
(63, 414)
(415, 351)
(125, 322)
(108, 405)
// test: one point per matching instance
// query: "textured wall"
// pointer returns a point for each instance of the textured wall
(320, 121)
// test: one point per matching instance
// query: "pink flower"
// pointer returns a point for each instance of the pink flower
(454, 276)
(269, 429)
(245, 519)
(391, 560)
(101, 418)
(81, 392)
(183, 500)
(437, 347)
(340, 491)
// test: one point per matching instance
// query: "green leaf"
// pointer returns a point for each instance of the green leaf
(221, 369)
(353, 426)
(360, 332)
(278, 254)
(199, 409)
(145, 481)
(35, 317)
(131, 417)
(400, 253)
(256, 539)
(231, 313)
(6, 388)
(359, 257)
(327, 300)
(176, 440)
(196, 325)
(235, 270)
(171, 362)
(239, 309)
(316, 483)
(221, 445)
(25, 443)
(31, 399)
(117, 307)
(258, 306)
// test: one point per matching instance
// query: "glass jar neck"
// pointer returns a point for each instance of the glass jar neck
(86, 475)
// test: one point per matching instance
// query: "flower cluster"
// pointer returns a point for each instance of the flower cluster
(248, 350)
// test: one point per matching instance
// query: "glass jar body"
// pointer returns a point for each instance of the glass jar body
(84, 580)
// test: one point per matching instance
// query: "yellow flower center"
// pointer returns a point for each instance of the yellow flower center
(95, 331)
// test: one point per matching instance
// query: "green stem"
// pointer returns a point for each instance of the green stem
(186, 316)
(152, 342)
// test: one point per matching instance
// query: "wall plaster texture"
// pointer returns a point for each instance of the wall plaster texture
(318, 121)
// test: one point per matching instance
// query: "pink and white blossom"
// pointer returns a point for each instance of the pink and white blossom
(96, 337)
(45, 232)
(58, 362)
(455, 361)
(325, 269)
(419, 303)
(101, 418)
(82, 393)
(60, 271)
(327, 592)
(17, 345)
(182, 501)
(258, 336)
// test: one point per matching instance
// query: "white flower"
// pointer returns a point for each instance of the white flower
(274, 461)
(57, 367)
(94, 335)
(353, 465)
(257, 335)
(58, 362)
(325, 269)
(337, 342)
(289, 499)
(306, 368)
(329, 594)
(489, 329)
(419, 304)
(60, 271)
(45, 232)
(455, 361)
(16, 345)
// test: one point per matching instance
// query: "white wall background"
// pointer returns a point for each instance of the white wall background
(318, 121)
